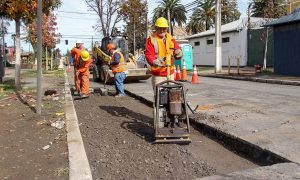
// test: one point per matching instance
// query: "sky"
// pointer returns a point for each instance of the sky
(79, 26)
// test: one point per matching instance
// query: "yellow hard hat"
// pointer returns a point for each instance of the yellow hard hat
(85, 56)
(161, 22)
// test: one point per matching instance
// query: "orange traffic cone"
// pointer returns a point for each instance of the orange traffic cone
(177, 74)
(195, 79)
(183, 73)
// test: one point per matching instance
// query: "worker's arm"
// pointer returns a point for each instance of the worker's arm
(73, 52)
(149, 52)
(117, 58)
(177, 50)
(85, 66)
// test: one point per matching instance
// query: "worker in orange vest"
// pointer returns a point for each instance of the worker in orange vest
(82, 73)
(118, 67)
(158, 45)
(75, 53)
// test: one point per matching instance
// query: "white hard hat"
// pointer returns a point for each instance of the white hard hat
(79, 42)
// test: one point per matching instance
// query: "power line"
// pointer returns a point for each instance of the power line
(76, 18)
(190, 4)
(74, 12)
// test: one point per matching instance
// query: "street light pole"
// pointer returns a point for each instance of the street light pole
(218, 67)
(39, 58)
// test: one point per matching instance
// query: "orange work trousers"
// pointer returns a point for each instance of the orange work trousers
(75, 79)
(82, 82)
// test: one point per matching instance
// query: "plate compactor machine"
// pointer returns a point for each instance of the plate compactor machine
(171, 121)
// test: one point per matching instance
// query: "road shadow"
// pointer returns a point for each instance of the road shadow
(137, 123)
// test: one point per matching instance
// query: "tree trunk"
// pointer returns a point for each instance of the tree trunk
(18, 56)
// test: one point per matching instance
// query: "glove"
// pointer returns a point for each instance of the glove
(159, 63)
(178, 53)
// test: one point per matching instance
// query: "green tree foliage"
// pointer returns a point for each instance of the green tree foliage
(177, 12)
(203, 17)
(195, 25)
(205, 11)
(136, 22)
(23, 11)
(268, 8)
(230, 11)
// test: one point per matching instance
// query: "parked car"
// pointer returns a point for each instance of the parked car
(142, 62)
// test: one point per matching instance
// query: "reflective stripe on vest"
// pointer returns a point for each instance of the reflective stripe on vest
(121, 67)
(161, 48)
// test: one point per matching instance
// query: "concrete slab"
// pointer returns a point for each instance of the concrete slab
(265, 115)
(284, 171)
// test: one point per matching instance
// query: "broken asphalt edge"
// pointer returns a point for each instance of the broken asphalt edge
(244, 148)
(79, 167)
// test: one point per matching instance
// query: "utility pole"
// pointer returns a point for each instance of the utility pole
(2, 60)
(218, 65)
(39, 58)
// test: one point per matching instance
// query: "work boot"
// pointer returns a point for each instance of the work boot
(84, 95)
(119, 95)
(76, 93)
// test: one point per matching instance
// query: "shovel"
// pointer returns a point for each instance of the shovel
(104, 91)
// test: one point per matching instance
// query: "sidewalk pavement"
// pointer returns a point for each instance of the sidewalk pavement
(271, 139)
(248, 74)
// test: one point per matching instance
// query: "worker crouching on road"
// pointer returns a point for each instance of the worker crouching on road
(75, 53)
(83, 73)
(158, 45)
(118, 67)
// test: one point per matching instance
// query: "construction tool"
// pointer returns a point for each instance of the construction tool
(103, 91)
(171, 121)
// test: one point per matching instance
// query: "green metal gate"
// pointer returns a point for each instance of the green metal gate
(256, 47)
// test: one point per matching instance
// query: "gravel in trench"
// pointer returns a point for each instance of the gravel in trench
(118, 135)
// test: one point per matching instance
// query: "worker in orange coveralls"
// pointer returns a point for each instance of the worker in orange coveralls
(75, 53)
(82, 81)
(158, 45)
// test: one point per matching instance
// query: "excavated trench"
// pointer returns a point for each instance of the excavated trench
(118, 136)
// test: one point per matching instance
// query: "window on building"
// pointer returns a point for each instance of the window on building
(209, 41)
(197, 43)
(225, 40)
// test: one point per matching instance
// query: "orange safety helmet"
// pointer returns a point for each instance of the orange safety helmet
(111, 46)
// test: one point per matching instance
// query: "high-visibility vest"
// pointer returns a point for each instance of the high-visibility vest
(162, 46)
(121, 67)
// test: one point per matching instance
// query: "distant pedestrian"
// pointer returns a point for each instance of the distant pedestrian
(75, 53)
(118, 66)
(158, 45)
(82, 81)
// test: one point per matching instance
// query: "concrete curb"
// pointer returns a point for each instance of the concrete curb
(250, 151)
(254, 79)
(79, 167)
